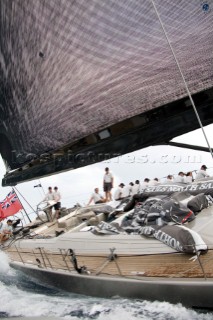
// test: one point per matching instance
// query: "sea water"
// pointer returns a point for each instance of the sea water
(21, 296)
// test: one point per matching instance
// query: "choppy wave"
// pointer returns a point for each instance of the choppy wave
(24, 297)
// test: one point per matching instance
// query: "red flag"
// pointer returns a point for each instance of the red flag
(10, 205)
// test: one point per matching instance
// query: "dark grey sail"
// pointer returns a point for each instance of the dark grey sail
(85, 80)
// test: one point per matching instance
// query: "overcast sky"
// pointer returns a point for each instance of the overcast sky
(77, 185)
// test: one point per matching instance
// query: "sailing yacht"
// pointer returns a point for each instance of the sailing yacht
(104, 251)
(86, 82)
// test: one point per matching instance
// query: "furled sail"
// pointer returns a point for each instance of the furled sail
(81, 79)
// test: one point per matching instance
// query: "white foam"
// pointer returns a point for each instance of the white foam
(15, 302)
(4, 265)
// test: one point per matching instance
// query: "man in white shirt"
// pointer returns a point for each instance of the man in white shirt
(108, 184)
(136, 187)
(180, 178)
(6, 231)
(202, 173)
(119, 193)
(128, 190)
(189, 177)
(154, 182)
(169, 179)
(49, 197)
(145, 183)
(96, 197)
(57, 198)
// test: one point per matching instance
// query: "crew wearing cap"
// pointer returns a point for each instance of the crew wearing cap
(202, 173)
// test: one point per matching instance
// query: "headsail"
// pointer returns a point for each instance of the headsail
(83, 81)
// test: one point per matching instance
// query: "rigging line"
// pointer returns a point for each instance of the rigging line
(184, 81)
(41, 186)
(14, 188)
(24, 199)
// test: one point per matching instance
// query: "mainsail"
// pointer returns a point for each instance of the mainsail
(84, 80)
